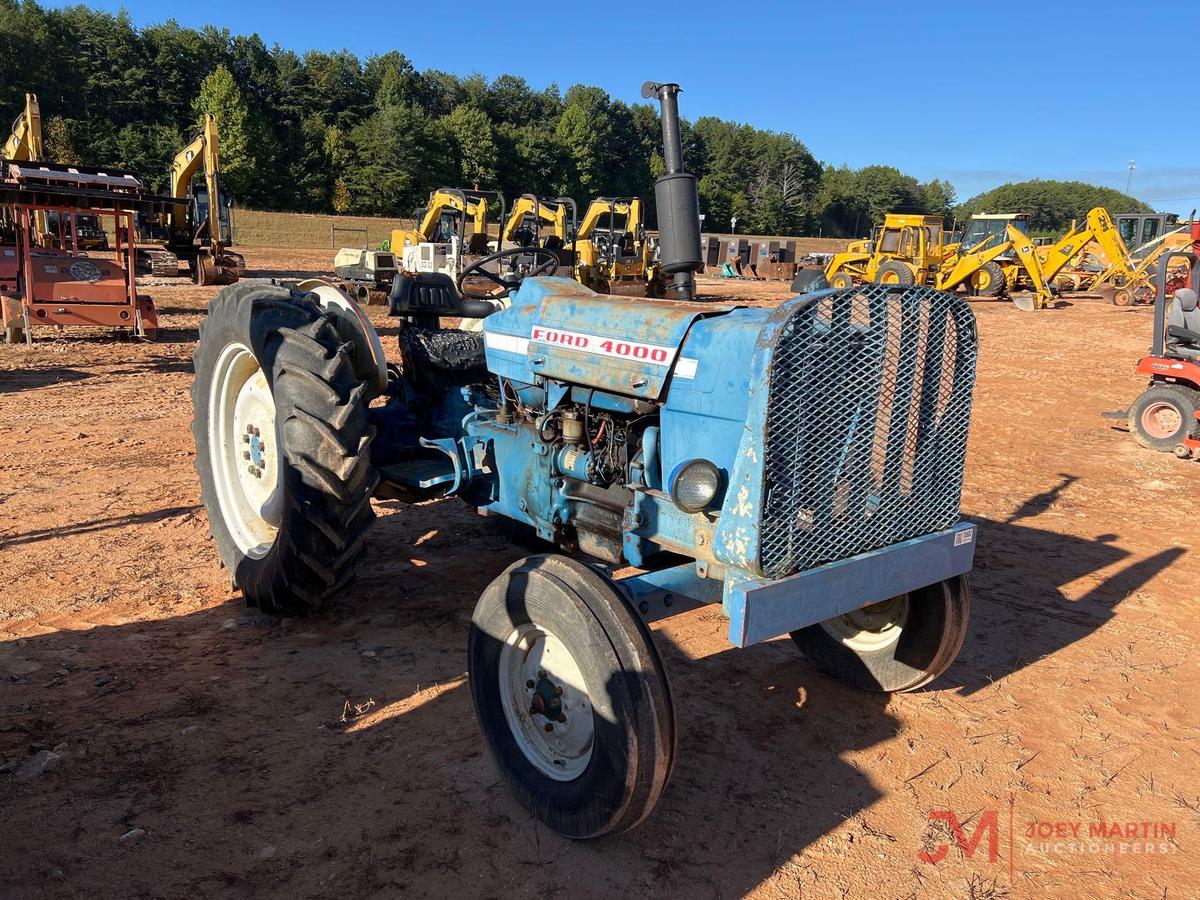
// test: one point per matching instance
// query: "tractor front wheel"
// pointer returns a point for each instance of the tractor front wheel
(894, 273)
(1164, 415)
(282, 446)
(571, 696)
(900, 644)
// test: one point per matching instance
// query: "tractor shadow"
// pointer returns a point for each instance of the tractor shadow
(1021, 613)
(261, 755)
(13, 381)
(95, 525)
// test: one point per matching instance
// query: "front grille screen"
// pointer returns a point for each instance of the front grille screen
(869, 406)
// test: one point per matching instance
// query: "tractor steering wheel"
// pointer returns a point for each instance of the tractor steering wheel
(511, 280)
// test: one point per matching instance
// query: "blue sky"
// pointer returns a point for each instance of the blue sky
(979, 93)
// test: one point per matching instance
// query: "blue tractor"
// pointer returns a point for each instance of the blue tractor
(801, 466)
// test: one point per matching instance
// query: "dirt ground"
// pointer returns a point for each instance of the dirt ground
(157, 739)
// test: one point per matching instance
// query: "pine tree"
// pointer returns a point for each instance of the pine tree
(221, 97)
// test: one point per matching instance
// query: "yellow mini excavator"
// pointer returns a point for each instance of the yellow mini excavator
(440, 243)
(198, 229)
(528, 219)
(613, 254)
(530, 214)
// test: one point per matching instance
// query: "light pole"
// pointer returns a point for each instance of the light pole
(733, 224)
(1129, 180)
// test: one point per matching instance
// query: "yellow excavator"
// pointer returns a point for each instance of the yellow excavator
(530, 213)
(198, 229)
(912, 249)
(613, 254)
(25, 142)
(527, 219)
(440, 243)
(25, 145)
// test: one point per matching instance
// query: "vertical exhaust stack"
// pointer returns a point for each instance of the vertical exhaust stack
(678, 201)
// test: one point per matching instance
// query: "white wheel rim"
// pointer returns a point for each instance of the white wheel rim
(554, 730)
(243, 447)
(872, 627)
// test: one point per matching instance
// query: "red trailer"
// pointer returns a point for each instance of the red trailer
(62, 285)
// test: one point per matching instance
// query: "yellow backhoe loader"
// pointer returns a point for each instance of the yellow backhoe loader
(1127, 276)
(440, 242)
(192, 232)
(613, 254)
(912, 249)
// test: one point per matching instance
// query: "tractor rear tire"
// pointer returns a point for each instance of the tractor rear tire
(898, 645)
(571, 696)
(1164, 415)
(840, 280)
(282, 447)
(894, 273)
(987, 281)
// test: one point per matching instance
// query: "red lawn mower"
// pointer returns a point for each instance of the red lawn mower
(1167, 414)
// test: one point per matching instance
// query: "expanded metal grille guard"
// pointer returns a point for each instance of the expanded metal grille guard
(866, 439)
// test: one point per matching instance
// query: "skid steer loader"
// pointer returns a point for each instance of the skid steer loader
(801, 466)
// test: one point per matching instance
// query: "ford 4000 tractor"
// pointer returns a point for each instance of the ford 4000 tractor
(801, 466)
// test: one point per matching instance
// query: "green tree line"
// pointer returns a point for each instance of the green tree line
(331, 132)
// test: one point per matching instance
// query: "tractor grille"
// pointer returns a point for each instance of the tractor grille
(870, 401)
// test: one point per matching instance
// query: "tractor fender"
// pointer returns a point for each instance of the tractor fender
(353, 326)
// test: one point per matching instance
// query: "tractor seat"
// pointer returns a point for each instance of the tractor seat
(1184, 316)
(425, 297)
(442, 357)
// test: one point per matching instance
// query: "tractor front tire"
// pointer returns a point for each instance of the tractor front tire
(1164, 415)
(571, 696)
(898, 645)
(282, 447)
(987, 281)
(894, 273)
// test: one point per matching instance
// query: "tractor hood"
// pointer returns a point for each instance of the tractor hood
(557, 328)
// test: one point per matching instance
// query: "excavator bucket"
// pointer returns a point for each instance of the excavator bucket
(222, 269)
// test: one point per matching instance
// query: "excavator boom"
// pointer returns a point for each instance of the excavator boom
(25, 142)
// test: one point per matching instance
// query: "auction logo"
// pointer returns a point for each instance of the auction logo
(982, 830)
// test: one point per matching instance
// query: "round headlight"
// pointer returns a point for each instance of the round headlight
(694, 484)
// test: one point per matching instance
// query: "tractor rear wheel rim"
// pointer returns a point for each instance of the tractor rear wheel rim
(546, 703)
(244, 451)
(872, 627)
(1161, 420)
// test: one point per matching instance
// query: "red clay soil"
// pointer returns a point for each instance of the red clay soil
(159, 739)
